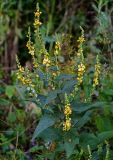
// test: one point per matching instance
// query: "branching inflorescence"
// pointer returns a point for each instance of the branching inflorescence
(41, 60)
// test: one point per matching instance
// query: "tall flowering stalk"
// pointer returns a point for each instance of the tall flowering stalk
(31, 49)
(67, 112)
(81, 68)
(37, 22)
(56, 54)
(81, 41)
(23, 74)
(96, 73)
(80, 57)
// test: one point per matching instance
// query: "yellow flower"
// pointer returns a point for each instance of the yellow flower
(46, 61)
(81, 68)
(30, 47)
(67, 125)
(67, 110)
(37, 13)
(81, 39)
(81, 71)
(37, 23)
(97, 73)
(21, 69)
(57, 48)
(67, 113)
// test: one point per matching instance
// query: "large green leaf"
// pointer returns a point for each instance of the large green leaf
(108, 92)
(69, 147)
(50, 134)
(44, 123)
(105, 135)
(82, 107)
(68, 86)
(93, 140)
(88, 139)
(10, 90)
(51, 96)
(83, 120)
(103, 123)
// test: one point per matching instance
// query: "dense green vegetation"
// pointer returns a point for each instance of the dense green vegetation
(56, 80)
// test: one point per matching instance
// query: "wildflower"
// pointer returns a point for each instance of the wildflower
(30, 47)
(67, 125)
(23, 76)
(81, 71)
(67, 113)
(81, 40)
(35, 64)
(37, 22)
(54, 74)
(67, 110)
(97, 73)
(57, 48)
(46, 61)
(37, 13)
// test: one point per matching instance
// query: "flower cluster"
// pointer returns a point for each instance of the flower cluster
(24, 76)
(37, 22)
(81, 71)
(30, 47)
(80, 57)
(46, 61)
(67, 113)
(97, 73)
(57, 48)
(67, 125)
(31, 50)
(81, 40)
(21, 74)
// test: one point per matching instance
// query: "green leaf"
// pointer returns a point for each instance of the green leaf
(65, 77)
(44, 123)
(4, 102)
(11, 117)
(82, 107)
(50, 134)
(83, 120)
(108, 92)
(88, 139)
(10, 90)
(68, 86)
(35, 148)
(69, 147)
(103, 123)
(51, 96)
(92, 140)
(105, 135)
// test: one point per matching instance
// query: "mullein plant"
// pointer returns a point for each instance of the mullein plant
(42, 61)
